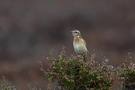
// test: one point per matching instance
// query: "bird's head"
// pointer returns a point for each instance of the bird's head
(76, 33)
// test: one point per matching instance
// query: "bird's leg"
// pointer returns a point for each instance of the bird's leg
(85, 56)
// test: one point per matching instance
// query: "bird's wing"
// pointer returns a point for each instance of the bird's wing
(84, 42)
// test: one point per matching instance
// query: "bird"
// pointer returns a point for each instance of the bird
(79, 43)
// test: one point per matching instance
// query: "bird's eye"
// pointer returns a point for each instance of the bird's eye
(76, 32)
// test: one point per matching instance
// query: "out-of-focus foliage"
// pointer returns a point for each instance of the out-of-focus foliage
(5, 85)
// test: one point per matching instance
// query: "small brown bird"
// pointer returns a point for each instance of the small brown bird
(79, 43)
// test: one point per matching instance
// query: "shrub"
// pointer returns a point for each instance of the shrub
(74, 73)
(127, 75)
(6, 86)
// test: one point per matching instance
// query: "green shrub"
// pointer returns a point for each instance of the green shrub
(6, 86)
(127, 75)
(74, 73)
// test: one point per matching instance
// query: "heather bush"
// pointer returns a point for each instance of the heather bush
(73, 73)
(127, 75)
(5, 85)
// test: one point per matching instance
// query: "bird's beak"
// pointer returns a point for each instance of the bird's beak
(71, 31)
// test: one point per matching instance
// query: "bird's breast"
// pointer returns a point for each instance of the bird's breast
(80, 48)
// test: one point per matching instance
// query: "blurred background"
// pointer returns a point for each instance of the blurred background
(29, 29)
